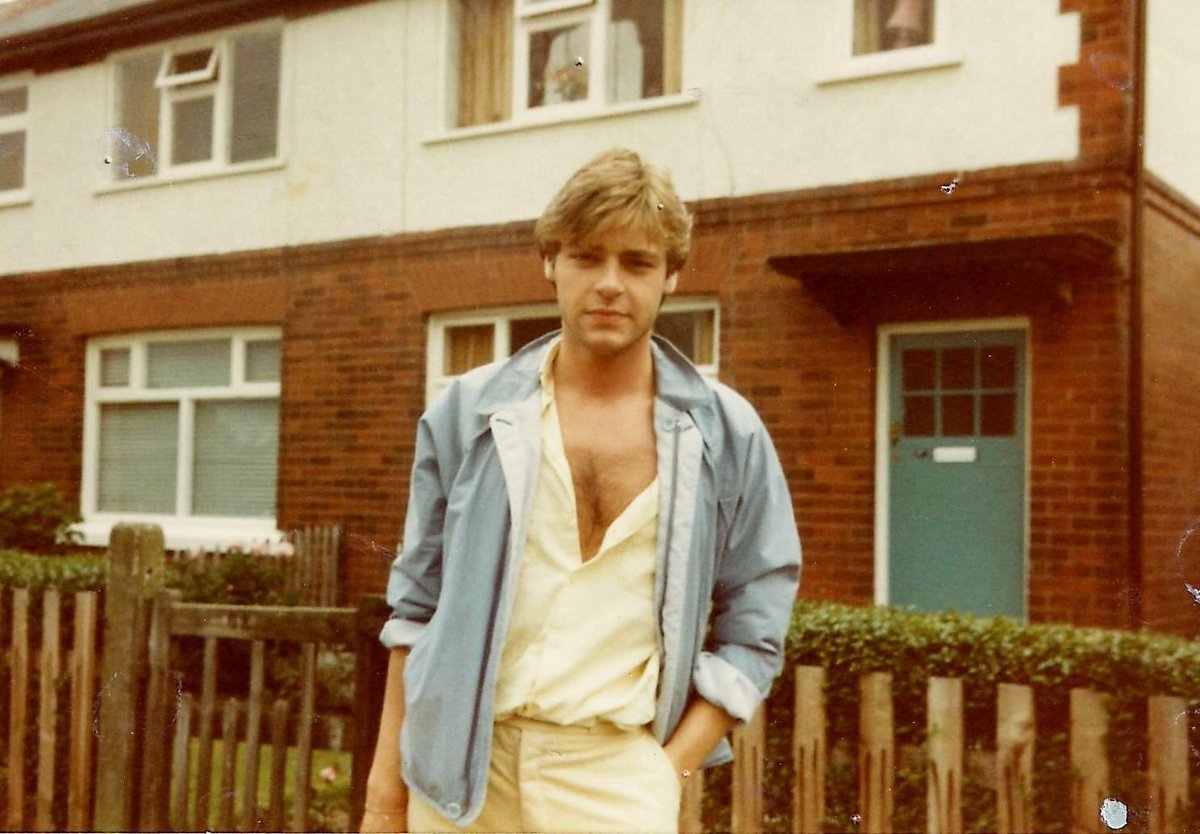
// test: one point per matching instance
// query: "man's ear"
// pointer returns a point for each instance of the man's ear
(672, 282)
(548, 268)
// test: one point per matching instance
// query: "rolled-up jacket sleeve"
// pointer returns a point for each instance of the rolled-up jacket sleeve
(756, 582)
(415, 581)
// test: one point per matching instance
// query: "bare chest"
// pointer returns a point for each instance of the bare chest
(612, 457)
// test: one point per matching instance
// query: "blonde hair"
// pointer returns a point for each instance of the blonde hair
(617, 189)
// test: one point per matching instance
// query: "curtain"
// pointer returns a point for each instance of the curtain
(468, 347)
(484, 61)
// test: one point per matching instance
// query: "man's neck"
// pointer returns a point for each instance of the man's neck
(626, 374)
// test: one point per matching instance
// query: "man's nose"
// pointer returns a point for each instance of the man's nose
(610, 278)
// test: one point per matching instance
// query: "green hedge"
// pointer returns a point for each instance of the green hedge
(66, 573)
(849, 642)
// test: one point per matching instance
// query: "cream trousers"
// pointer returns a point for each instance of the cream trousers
(544, 777)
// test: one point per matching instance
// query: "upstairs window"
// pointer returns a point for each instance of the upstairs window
(197, 106)
(14, 126)
(517, 58)
(884, 25)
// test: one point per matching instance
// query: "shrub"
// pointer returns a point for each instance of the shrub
(66, 573)
(35, 518)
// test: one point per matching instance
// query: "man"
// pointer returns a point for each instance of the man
(599, 557)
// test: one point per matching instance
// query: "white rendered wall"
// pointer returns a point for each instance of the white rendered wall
(1173, 79)
(366, 151)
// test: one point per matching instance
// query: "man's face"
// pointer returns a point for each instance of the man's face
(609, 290)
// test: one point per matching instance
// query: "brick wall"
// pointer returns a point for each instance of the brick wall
(1171, 386)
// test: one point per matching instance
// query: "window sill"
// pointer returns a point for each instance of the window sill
(21, 197)
(566, 115)
(916, 59)
(189, 175)
(184, 533)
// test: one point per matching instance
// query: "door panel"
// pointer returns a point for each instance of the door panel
(957, 472)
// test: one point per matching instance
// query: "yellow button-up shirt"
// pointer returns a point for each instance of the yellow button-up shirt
(581, 646)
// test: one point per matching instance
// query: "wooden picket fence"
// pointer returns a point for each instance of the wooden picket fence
(136, 719)
(139, 749)
(1016, 739)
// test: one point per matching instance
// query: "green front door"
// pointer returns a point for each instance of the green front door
(956, 495)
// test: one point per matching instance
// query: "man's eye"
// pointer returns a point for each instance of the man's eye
(583, 257)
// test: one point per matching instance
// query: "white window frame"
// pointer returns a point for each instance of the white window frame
(215, 80)
(500, 317)
(843, 65)
(14, 123)
(181, 529)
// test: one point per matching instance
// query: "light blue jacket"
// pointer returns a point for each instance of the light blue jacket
(728, 560)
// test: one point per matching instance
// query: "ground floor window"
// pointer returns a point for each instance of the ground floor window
(461, 341)
(182, 429)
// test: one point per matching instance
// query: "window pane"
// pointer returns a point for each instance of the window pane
(262, 361)
(134, 142)
(918, 416)
(917, 369)
(635, 50)
(958, 416)
(958, 368)
(138, 458)
(998, 417)
(114, 367)
(255, 124)
(236, 447)
(880, 25)
(468, 347)
(481, 52)
(187, 364)
(998, 367)
(691, 332)
(12, 160)
(558, 65)
(523, 331)
(192, 130)
(14, 101)
(187, 62)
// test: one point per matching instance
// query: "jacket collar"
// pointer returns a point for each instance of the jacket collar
(678, 382)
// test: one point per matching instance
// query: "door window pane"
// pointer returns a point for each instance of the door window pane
(192, 130)
(188, 364)
(523, 331)
(958, 368)
(235, 451)
(998, 367)
(468, 347)
(958, 416)
(998, 415)
(255, 111)
(558, 65)
(138, 457)
(918, 416)
(918, 368)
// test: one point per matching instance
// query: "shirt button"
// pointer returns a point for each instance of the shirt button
(453, 809)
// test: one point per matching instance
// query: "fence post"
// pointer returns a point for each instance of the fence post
(749, 741)
(876, 752)
(1168, 761)
(945, 738)
(1089, 759)
(808, 750)
(135, 574)
(370, 676)
(1015, 736)
(691, 805)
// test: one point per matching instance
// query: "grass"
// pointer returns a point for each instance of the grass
(329, 778)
